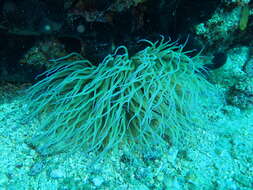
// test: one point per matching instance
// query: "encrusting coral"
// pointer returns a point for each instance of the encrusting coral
(140, 100)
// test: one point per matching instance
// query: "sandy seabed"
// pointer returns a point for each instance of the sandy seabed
(216, 157)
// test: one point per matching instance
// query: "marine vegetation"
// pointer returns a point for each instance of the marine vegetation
(150, 98)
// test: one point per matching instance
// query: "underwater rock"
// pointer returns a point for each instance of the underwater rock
(248, 67)
(57, 173)
(241, 94)
(36, 168)
(98, 181)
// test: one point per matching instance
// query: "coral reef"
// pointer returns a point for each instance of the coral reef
(141, 96)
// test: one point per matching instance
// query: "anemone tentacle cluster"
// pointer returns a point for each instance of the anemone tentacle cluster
(141, 100)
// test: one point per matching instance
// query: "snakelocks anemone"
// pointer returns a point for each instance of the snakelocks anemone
(142, 100)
